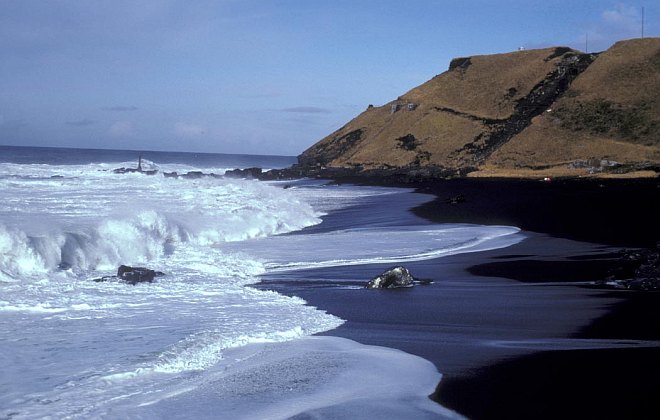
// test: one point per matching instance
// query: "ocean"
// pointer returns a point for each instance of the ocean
(200, 341)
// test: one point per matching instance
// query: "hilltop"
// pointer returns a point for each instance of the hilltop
(544, 112)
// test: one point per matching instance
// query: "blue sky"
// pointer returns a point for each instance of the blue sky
(248, 76)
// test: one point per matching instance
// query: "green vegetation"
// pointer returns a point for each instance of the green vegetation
(421, 157)
(407, 142)
(604, 117)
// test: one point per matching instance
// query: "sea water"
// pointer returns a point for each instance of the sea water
(198, 341)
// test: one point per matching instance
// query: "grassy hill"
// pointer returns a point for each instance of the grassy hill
(545, 112)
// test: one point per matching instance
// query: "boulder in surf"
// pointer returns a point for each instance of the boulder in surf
(392, 278)
(134, 275)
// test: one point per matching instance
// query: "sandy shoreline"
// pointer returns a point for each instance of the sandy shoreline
(511, 331)
(597, 357)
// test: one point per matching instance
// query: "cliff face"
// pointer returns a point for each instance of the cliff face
(547, 111)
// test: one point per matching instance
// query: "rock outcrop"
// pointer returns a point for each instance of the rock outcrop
(636, 270)
(247, 173)
(138, 169)
(394, 278)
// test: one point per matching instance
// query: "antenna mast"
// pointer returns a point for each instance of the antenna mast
(586, 42)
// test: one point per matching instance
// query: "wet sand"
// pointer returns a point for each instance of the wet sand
(518, 332)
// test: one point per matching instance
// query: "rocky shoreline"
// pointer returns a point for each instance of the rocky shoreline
(422, 174)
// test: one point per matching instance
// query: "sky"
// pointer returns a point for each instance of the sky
(255, 76)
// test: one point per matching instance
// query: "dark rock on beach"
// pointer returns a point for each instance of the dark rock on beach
(391, 279)
(637, 270)
(394, 278)
(456, 200)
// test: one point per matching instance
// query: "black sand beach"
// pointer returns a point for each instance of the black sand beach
(517, 332)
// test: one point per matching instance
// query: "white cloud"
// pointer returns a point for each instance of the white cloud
(623, 18)
(189, 130)
(121, 129)
(621, 22)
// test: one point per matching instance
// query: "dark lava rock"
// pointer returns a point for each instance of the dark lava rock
(248, 173)
(637, 270)
(138, 169)
(456, 200)
(104, 278)
(125, 170)
(394, 278)
(135, 275)
(193, 175)
(190, 175)
(133, 170)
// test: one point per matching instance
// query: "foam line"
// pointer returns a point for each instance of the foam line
(319, 377)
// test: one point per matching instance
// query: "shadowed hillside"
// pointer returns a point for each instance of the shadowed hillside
(553, 111)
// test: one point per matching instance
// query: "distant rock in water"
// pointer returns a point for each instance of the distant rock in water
(132, 275)
(139, 169)
(394, 278)
(132, 170)
(193, 175)
(190, 175)
(125, 170)
(135, 275)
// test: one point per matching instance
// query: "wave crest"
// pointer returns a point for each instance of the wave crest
(101, 236)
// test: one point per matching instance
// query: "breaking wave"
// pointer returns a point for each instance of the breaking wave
(78, 224)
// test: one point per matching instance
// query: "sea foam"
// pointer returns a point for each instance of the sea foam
(148, 344)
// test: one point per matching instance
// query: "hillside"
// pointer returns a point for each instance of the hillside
(544, 112)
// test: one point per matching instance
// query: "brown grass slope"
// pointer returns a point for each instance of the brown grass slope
(490, 113)
(610, 112)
